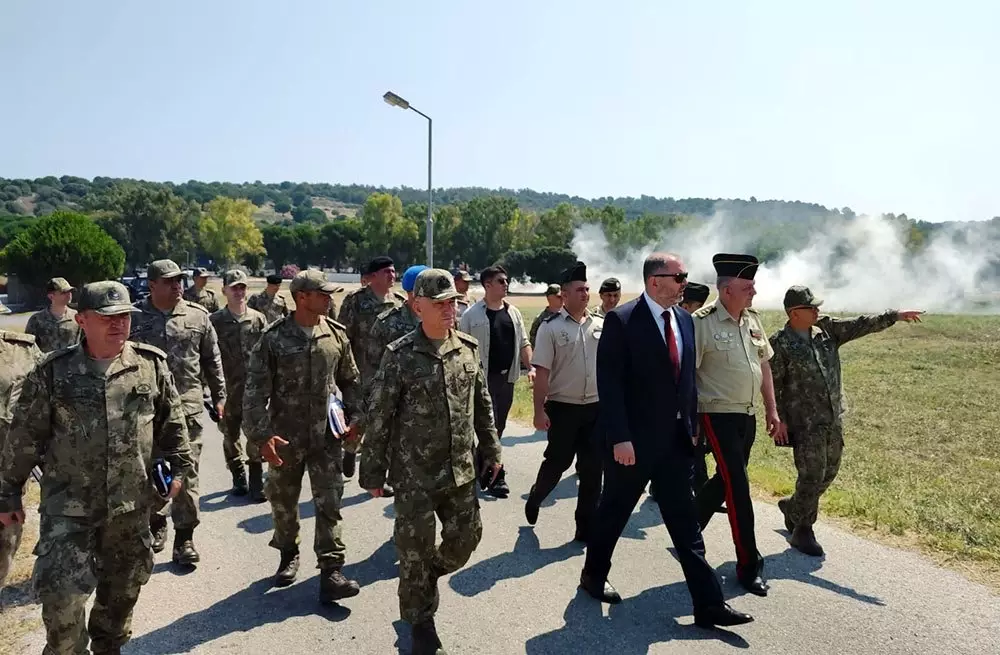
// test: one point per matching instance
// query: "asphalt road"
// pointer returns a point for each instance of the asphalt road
(519, 593)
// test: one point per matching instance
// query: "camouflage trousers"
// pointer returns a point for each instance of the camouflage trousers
(817, 458)
(75, 557)
(231, 446)
(10, 541)
(421, 563)
(183, 509)
(324, 462)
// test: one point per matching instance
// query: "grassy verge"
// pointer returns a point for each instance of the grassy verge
(921, 462)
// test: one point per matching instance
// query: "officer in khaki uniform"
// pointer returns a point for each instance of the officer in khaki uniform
(732, 374)
(565, 395)
(55, 326)
(200, 293)
(184, 331)
(239, 329)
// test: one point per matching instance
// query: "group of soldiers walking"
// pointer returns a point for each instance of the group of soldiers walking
(420, 385)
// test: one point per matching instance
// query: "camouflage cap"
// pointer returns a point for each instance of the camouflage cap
(199, 272)
(59, 285)
(311, 280)
(799, 296)
(107, 298)
(163, 269)
(462, 274)
(553, 290)
(234, 277)
(436, 284)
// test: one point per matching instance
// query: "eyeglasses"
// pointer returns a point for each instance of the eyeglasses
(500, 280)
(678, 277)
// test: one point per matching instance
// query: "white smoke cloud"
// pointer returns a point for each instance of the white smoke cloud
(854, 265)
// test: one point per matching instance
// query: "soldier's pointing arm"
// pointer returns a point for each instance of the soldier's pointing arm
(27, 440)
(382, 402)
(211, 364)
(169, 426)
(847, 329)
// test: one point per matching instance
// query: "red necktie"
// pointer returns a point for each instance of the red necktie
(675, 356)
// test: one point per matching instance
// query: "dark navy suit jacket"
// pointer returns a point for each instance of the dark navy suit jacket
(640, 399)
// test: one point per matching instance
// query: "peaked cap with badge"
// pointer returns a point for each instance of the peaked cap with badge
(107, 298)
(436, 284)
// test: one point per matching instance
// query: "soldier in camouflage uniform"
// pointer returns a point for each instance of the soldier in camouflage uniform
(268, 302)
(462, 280)
(298, 363)
(809, 394)
(184, 331)
(553, 296)
(55, 326)
(432, 372)
(396, 322)
(239, 329)
(610, 294)
(199, 292)
(358, 314)
(18, 355)
(92, 416)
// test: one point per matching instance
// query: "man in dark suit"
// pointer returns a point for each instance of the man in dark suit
(645, 379)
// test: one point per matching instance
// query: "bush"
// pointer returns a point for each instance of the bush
(66, 244)
(541, 265)
(288, 271)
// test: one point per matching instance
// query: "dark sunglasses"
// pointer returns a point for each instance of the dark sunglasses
(500, 280)
(678, 277)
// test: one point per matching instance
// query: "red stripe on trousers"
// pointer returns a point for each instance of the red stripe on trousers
(720, 461)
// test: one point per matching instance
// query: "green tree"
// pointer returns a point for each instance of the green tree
(386, 230)
(281, 245)
(483, 234)
(148, 223)
(555, 227)
(307, 241)
(67, 244)
(282, 206)
(228, 232)
(339, 242)
(542, 265)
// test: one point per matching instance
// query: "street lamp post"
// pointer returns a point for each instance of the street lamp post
(394, 100)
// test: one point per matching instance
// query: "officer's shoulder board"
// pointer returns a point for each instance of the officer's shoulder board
(335, 324)
(17, 337)
(53, 355)
(146, 348)
(399, 296)
(197, 306)
(467, 338)
(551, 317)
(403, 342)
(753, 311)
(384, 315)
(270, 327)
(704, 311)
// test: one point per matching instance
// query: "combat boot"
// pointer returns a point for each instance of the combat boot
(288, 568)
(350, 464)
(804, 540)
(239, 479)
(425, 639)
(184, 551)
(333, 586)
(158, 526)
(257, 482)
(783, 506)
(499, 488)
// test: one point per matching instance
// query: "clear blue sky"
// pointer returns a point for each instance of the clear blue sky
(882, 106)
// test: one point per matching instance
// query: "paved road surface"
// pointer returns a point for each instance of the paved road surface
(519, 594)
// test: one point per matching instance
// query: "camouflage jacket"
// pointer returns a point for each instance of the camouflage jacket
(390, 325)
(427, 405)
(237, 337)
(53, 333)
(207, 298)
(271, 308)
(187, 336)
(290, 379)
(358, 314)
(537, 323)
(94, 433)
(807, 379)
(18, 355)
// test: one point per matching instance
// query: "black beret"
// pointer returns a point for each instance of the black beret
(695, 292)
(730, 265)
(379, 263)
(575, 273)
(274, 278)
(610, 285)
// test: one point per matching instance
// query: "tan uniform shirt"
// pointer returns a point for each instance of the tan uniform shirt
(728, 357)
(569, 351)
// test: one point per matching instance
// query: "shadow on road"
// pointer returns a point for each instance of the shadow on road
(380, 565)
(525, 558)
(245, 610)
(262, 523)
(567, 488)
(535, 437)
(630, 628)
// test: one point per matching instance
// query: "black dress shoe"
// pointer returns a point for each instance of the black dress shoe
(531, 508)
(722, 615)
(603, 592)
(755, 586)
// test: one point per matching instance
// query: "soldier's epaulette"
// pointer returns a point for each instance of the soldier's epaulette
(704, 311)
(753, 311)
(384, 315)
(401, 296)
(401, 342)
(56, 354)
(467, 338)
(551, 317)
(335, 324)
(17, 337)
(281, 321)
(194, 304)
(145, 347)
